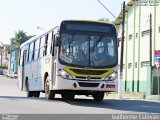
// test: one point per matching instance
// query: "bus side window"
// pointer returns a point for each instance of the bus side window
(36, 49)
(45, 45)
(41, 47)
(54, 48)
(31, 51)
(49, 43)
(28, 47)
(19, 59)
(23, 57)
(52, 44)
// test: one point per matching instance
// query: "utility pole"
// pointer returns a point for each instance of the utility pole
(121, 57)
(150, 40)
(150, 51)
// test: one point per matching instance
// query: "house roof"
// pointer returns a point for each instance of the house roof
(120, 16)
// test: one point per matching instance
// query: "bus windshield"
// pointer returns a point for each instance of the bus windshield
(88, 50)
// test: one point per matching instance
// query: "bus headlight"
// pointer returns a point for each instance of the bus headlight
(111, 76)
(64, 74)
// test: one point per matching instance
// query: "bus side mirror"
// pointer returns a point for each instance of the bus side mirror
(57, 42)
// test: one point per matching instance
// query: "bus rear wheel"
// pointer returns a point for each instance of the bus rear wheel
(36, 93)
(49, 94)
(98, 96)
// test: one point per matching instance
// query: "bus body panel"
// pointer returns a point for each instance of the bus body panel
(64, 84)
(38, 69)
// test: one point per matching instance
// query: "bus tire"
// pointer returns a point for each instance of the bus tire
(49, 94)
(29, 93)
(98, 96)
(36, 93)
(68, 96)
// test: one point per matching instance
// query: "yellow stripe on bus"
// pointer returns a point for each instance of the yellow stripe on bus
(72, 73)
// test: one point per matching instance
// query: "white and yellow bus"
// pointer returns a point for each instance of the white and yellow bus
(74, 58)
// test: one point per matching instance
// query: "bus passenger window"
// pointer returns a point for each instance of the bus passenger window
(27, 58)
(19, 59)
(23, 57)
(52, 43)
(45, 46)
(36, 49)
(41, 47)
(31, 51)
(49, 43)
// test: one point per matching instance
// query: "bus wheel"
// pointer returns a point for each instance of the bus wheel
(36, 93)
(68, 96)
(29, 93)
(98, 96)
(49, 94)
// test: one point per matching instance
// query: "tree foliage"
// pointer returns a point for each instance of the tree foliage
(19, 37)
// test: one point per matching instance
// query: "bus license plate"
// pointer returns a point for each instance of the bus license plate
(110, 86)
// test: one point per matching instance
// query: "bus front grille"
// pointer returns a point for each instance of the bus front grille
(95, 78)
(85, 84)
(89, 72)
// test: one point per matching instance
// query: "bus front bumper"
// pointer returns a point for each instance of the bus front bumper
(91, 85)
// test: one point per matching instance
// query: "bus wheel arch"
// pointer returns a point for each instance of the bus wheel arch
(26, 83)
(45, 78)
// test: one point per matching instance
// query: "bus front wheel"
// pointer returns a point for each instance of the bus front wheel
(68, 95)
(98, 96)
(49, 94)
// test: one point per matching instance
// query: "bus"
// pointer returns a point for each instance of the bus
(74, 58)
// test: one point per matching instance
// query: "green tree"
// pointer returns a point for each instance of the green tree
(19, 37)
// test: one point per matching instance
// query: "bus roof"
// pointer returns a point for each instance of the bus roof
(35, 37)
(28, 41)
(93, 21)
